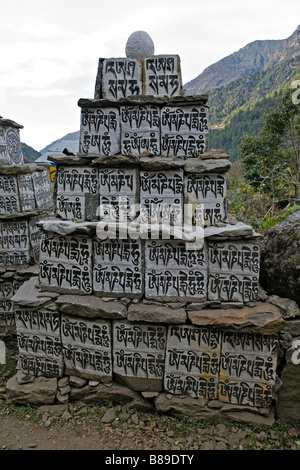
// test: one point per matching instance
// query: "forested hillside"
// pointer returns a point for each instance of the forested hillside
(247, 84)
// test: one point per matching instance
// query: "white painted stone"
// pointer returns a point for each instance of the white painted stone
(118, 193)
(184, 119)
(39, 342)
(139, 354)
(9, 195)
(87, 347)
(162, 76)
(248, 369)
(42, 189)
(183, 145)
(227, 287)
(121, 77)
(2, 352)
(99, 131)
(66, 264)
(118, 268)
(14, 243)
(77, 195)
(173, 272)
(26, 193)
(13, 146)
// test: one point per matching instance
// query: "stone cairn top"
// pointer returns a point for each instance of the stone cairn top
(139, 44)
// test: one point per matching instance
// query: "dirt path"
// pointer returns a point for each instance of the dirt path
(115, 428)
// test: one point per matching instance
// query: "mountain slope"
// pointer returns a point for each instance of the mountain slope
(228, 99)
(69, 141)
(30, 153)
(255, 56)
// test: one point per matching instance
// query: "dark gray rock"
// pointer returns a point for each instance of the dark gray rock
(288, 405)
(114, 392)
(280, 259)
(156, 314)
(42, 391)
(91, 307)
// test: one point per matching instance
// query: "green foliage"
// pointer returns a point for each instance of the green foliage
(271, 158)
(271, 220)
(226, 101)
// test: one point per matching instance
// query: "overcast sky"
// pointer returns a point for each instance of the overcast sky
(49, 50)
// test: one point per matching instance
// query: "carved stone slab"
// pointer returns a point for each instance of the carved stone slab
(66, 264)
(233, 271)
(99, 131)
(162, 76)
(162, 196)
(118, 268)
(9, 195)
(119, 193)
(206, 194)
(10, 145)
(121, 77)
(26, 193)
(185, 119)
(14, 243)
(39, 342)
(7, 291)
(77, 194)
(248, 369)
(87, 347)
(172, 272)
(140, 129)
(36, 235)
(42, 190)
(192, 361)
(183, 145)
(237, 368)
(139, 355)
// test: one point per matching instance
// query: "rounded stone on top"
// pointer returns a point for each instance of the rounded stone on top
(139, 44)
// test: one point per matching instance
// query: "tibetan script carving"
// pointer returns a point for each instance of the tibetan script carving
(139, 355)
(39, 342)
(174, 272)
(118, 269)
(99, 131)
(77, 194)
(118, 193)
(162, 76)
(192, 361)
(233, 271)
(248, 369)
(238, 368)
(26, 193)
(206, 194)
(140, 130)
(162, 196)
(9, 195)
(7, 291)
(14, 243)
(87, 347)
(121, 77)
(66, 264)
(13, 147)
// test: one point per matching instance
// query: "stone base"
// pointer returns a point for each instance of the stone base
(41, 391)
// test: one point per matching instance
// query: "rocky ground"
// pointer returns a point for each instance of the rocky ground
(115, 428)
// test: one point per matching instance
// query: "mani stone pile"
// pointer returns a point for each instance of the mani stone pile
(128, 294)
(25, 198)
